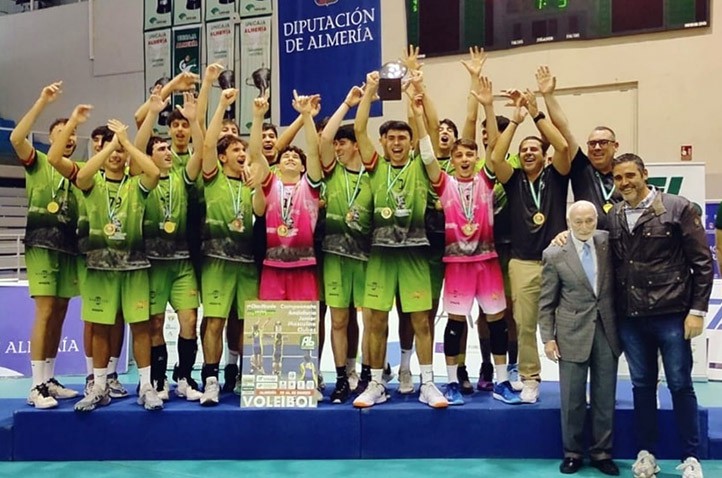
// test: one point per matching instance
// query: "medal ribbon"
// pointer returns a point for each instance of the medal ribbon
(286, 201)
(606, 195)
(166, 201)
(351, 198)
(390, 183)
(113, 206)
(467, 203)
(536, 194)
(235, 198)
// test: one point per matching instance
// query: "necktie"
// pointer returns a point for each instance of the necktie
(588, 263)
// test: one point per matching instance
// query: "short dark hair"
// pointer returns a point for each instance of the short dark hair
(502, 122)
(231, 122)
(467, 143)
(107, 137)
(296, 150)
(451, 125)
(99, 131)
(384, 128)
(227, 141)
(345, 132)
(605, 128)
(321, 124)
(271, 126)
(629, 158)
(544, 144)
(152, 141)
(176, 115)
(400, 126)
(57, 122)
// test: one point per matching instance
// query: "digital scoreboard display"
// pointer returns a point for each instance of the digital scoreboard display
(447, 27)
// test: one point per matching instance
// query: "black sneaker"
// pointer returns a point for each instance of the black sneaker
(230, 372)
(342, 391)
(465, 386)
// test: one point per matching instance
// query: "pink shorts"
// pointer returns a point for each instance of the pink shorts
(466, 281)
(298, 283)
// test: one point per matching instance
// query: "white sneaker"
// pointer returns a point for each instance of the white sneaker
(691, 468)
(97, 397)
(117, 390)
(211, 392)
(89, 383)
(645, 466)
(353, 380)
(40, 398)
(185, 390)
(512, 370)
(318, 395)
(374, 393)
(530, 392)
(164, 391)
(59, 391)
(148, 397)
(406, 382)
(432, 396)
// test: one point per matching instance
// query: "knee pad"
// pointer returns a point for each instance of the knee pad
(452, 337)
(498, 337)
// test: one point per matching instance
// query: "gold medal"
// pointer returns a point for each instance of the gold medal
(109, 229)
(468, 229)
(282, 230)
(53, 207)
(538, 219)
(349, 216)
(169, 227)
(437, 205)
(386, 213)
(321, 203)
(237, 225)
(607, 207)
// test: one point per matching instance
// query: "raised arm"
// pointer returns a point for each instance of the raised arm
(547, 84)
(474, 65)
(210, 154)
(150, 172)
(181, 82)
(190, 112)
(213, 72)
(360, 125)
(498, 164)
(426, 148)
(254, 159)
(484, 95)
(19, 136)
(353, 97)
(561, 160)
(155, 105)
(84, 179)
(305, 106)
(63, 165)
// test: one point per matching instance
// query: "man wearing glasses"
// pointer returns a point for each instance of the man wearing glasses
(591, 173)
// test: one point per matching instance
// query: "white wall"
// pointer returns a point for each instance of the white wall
(674, 76)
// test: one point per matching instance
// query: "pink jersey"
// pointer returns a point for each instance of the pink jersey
(469, 217)
(291, 215)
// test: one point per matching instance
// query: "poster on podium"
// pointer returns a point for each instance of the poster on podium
(280, 354)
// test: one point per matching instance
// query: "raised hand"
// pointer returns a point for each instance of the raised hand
(156, 104)
(546, 82)
(410, 58)
(120, 130)
(515, 97)
(417, 105)
(477, 58)
(530, 102)
(260, 106)
(353, 97)
(228, 96)
(303, 103)
(51, 92)
(185, 81)
(519, 114)
(213, 72)
(372, 80)
(188, 110)
(484, 92)
(315, 105)
(81, 113)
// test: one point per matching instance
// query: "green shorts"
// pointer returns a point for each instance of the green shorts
(172, 281)
(108, 293)
(402, 269)
(227, 283)
(344, 281)
(504, 253)
(436, 271)
(82, 268)
(51, 273)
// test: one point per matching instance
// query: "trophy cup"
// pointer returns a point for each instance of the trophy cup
(193, 4)
(162, 7)
(227, 79)
(225, 2)
(390, 76)
(261, 79)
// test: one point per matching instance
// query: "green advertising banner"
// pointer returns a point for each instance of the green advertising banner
(220, 48)
(254, 8)
(157, 14)
(255, 66)
(187, 12)
(219, 9)
(186, 53)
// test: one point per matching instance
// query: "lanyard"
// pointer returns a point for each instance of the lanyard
(349, 197)
(113, 206)
(536, 194)
(235, 197)
(166, 200)
(605, 194)
(467, 202)
(389, 182)
(54, 190)
(286, 202)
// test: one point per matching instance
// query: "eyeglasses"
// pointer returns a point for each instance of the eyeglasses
(602, 143)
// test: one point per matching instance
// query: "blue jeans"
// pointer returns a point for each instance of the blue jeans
(641, 338)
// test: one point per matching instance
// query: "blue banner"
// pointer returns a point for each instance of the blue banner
(326, 47)
(711, 215)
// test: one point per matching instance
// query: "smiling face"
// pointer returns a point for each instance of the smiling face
(116, 162)
(463, 159)
(290, 163)
(268, 144)
(447, 137)
(162, 156)
(531, 154)
(601, 147)
(180, 133)
(397, 146)
(345, 150)
(582, 220)
(233, 159)
(72, 141)
(631, 182)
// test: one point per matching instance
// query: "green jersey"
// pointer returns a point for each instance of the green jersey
(164, 223)
(83, 226)
(349, 213)
(228, 229)
(400, 196)
(115, 212)
(52, 208)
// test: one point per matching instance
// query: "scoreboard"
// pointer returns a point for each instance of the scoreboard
(447, 27)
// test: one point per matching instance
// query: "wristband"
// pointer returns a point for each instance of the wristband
(539, 116)
(512, 121)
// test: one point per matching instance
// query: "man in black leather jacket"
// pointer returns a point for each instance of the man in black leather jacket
(663, 272)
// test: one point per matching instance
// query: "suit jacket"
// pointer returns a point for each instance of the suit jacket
(569, 308)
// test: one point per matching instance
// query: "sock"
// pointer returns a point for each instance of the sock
(451, 373)
(232, 358)
(351, 365)
(341, 373)
(113, 365)
(38, 368)
(501, 373)
(209, 370)
(143, 374)
(485, 345)
(427, 373)
(376, 374)
(365, 372)
(187, 351)
(49, 371)
(101, 377)
(405, 359)
(513, 351)
(89, 365)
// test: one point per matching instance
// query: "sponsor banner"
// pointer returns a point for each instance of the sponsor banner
(255, 67)
(187, 12)
(158, 68)
(219, 9)
(18, 310)
(322, 40)
(280, 354)
(186, 54)
(710, 218)
(220, 49)
(157, 14)
(714, 333)
(253, 8)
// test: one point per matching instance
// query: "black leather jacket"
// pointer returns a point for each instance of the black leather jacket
(665, 265)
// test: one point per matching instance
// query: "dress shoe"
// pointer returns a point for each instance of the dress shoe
(606, 466)
(570, 465)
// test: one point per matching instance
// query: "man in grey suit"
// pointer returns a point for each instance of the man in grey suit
(578, 327)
